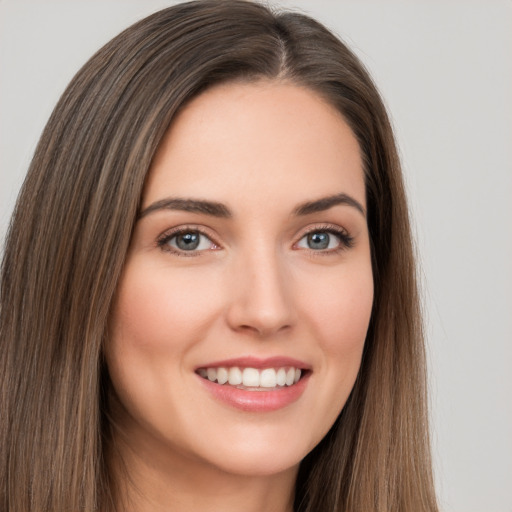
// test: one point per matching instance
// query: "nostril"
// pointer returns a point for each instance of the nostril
(263, 330)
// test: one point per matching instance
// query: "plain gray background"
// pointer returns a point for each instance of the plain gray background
(445, 71)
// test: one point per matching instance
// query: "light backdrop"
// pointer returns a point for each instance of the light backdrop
(445, 71)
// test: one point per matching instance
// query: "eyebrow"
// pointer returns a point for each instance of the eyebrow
(325, 203)
(188, 205)
(220, 210)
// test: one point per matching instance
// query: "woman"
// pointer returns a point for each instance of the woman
(208, 289)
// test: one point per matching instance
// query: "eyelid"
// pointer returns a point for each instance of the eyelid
(163, 239)
(346, 240)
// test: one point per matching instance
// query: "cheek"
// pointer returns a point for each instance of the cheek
(159, 316)
(338, 314)
(340, 311)
(158, 310)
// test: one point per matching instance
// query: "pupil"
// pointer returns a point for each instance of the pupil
(188, 241)
(318, 240)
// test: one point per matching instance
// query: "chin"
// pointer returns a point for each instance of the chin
(258, 451)
(248, 464)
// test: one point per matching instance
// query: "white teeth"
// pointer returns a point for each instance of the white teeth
(222, 375)
(235, 376)
(251, 377)
(290, 376)
(268, 378)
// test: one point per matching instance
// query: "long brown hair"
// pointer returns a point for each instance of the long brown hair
(70, 233)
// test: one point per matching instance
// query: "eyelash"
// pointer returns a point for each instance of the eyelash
(165, 238)
(346, 241)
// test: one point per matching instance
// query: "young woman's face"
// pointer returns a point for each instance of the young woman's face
(249, 265)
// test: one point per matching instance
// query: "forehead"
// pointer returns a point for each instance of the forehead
(238, 140)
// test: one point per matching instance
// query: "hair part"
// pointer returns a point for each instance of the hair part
(71, 230)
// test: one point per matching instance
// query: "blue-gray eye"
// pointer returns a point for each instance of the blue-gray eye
(190, 241)
(319, 241)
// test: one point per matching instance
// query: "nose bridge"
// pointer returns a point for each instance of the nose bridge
(261, 301)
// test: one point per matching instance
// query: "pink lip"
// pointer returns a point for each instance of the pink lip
(257, 401)
(256, 362)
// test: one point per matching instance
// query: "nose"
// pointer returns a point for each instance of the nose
(261, 299)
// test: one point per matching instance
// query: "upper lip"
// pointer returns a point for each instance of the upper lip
(257, 362)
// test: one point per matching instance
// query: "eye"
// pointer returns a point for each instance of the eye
(186, 241)
(325, 240)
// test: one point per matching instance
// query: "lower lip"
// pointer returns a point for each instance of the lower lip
(256, 401)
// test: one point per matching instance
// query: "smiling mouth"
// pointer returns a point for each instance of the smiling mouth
(253, 379)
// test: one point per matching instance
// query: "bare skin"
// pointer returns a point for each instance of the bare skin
(252, 245)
